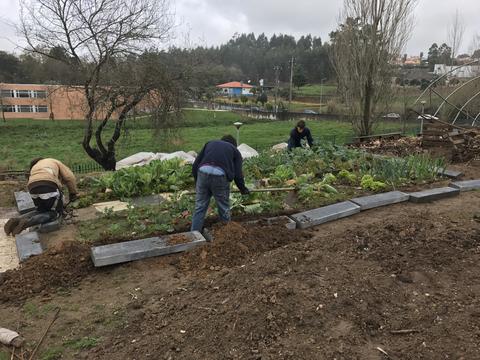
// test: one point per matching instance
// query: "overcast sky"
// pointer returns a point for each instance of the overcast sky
(212, 22)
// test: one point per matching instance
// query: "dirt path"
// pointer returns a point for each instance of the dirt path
(335, 292)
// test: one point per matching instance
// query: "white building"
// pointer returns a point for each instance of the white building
(464, 72)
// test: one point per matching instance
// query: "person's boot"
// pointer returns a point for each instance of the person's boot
(13, 222)
(10, 225)
(41, 218)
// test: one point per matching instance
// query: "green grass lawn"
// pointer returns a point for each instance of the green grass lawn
(315, 90)
(22, 140)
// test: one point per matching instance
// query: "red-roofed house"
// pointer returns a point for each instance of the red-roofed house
(235, 88)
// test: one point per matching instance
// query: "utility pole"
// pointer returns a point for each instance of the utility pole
(423, 102)
(321, 95)
(276, 68)
(404, 103)
(291, 83)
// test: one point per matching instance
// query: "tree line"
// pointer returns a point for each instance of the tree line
(245, 57)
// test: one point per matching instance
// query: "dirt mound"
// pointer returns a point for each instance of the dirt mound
(398, 246)
(394, 147)
(234, 243)
(60, 267)
(469, 149)
(339, 295)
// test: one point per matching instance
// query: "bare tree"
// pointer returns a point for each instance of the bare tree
(475, 46)
(371, 36)
(455, 34)
(104, 42)
(2, 107)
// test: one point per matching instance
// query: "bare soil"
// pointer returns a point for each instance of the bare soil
(61, 266)
(340, 291)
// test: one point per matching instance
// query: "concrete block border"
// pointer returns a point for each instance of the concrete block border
(433, 194)
(143, 248)
(383, 199)
(157, 246)
(325, 214)
(451, 174)
(467, 185)
(28, 244)
(24, 202)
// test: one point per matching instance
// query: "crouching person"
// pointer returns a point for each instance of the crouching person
(45, 182)
(218, 163)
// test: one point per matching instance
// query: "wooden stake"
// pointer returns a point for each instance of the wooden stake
(256, 190)
(405, 331)
(44, 334)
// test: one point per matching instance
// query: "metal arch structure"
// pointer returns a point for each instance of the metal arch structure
(475, 120)
(444, 76)
(464, 105)
(453, 92)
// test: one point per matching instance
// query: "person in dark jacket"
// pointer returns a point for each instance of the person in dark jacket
(217, 164)
(297, 134)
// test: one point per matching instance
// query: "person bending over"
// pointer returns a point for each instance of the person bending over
(47, 176)
(299, 133)
(217, 164)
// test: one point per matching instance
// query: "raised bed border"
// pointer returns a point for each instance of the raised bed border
(199, 239)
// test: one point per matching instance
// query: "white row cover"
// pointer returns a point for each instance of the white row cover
(144, 158)
(247, 151)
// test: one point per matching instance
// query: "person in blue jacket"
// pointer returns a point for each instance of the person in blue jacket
(217, 164)
(297, 134)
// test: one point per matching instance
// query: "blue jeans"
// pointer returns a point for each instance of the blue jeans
(207, 186)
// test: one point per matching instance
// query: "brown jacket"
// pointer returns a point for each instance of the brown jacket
(53, 171)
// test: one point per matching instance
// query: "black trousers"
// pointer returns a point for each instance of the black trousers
(53, 204)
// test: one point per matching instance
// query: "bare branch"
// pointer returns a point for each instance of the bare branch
(370, 37)
(455, 34)
(102, 41)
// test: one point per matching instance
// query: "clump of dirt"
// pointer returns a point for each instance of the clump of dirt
(233, 243)
(177, 239)
(62, 266)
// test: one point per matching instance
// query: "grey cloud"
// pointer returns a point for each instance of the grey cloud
(212, 22)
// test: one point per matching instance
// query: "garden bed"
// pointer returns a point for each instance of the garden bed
(340, 291)
(322, 176)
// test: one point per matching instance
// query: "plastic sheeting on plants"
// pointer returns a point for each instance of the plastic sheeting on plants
(179, 154)
(247, 151)
(280, 147)
(138, 159)
(144, 158)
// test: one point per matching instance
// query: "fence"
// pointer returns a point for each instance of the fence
(84, 168)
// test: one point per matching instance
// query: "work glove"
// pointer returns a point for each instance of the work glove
(245, 191)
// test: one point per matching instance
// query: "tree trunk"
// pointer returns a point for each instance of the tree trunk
(366, 127)
(106, 160)
(3, 110)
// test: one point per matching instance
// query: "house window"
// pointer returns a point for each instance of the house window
(25, 108)
(6, 93)
(23, 94)
(41, 94)
(41, 108)
(8, 108)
